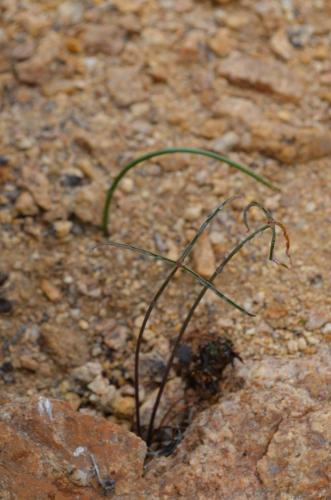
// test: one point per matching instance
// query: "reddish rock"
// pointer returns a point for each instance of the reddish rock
(47, 451)
(261, 75)
(298, 457)
(269, 438)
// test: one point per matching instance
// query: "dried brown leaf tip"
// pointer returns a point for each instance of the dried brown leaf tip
(272, 223)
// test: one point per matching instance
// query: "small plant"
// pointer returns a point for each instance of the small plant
(213, 350)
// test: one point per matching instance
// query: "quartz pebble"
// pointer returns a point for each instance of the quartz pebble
(62, 228)
(88, 372)
(127, 185)
(292, 346)
(193, 212)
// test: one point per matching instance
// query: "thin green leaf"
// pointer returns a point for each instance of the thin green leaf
(160, 152)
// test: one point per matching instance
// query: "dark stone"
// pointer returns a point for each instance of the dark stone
(72, 181)
(5, 306)
(3, 278)
(3, 161)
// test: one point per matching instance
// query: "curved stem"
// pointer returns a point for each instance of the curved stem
(160, 152)
(273, 223)
(269, 218)
(187, 320)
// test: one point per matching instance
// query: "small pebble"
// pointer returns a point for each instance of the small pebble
(88, 372)
(3, 161)
(310, 207)
(5, 306)
(193, 212)
(302, 344)
(80, 477)
(99, 385)
(326, 328)
(83, 324)
(127, 185)
(62, 228)
(51, 291)
(123, 406)
(204, 257)
(25, 204)
(292, 346)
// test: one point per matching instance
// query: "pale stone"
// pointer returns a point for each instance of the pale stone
(193, 212)
(62, 228)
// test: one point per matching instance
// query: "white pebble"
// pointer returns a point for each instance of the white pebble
(127, 185)
(193, 212)
(302, 344)
(326, 328)
(292, 346)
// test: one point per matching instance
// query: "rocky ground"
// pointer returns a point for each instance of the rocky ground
(87, 86)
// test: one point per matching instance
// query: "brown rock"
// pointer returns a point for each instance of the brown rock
(67, 347)
(299, 456)
(26, 361)
(281, 46)
(39, 68)
(104, 39)
(62, 87)
(238, 108)
(261, 75)
(23, 50)
(118, 90)
(51, 291)
(204, 257)
(39, 187)
(25, 204)
(279, 140)
(290, 144)
(46, 453)
(268, 439)
(88, 203)
(221, 43)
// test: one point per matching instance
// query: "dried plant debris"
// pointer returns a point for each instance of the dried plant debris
(202, 369)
